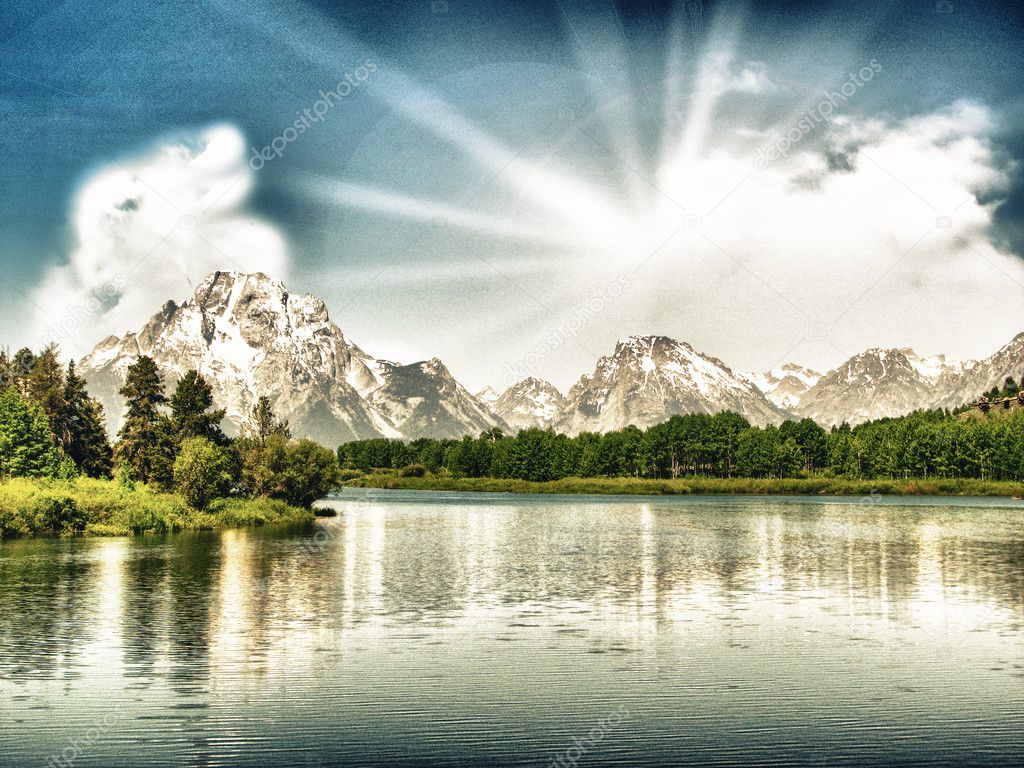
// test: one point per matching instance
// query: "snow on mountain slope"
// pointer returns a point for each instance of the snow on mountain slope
(977, 377)
(875, 384)
(425, 400)
(650, 378)
(487, 397)
(250, 337)
(531, 403)
(785, 385)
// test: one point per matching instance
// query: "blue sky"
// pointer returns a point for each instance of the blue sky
(513, 187)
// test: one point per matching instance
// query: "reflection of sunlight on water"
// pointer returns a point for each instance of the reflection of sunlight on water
(231, 620)
(647, 602)
(478, 535)
(417, 615)
(928, 608)
(348, 587)
(109, 599)
(768, 575)
(372, 522)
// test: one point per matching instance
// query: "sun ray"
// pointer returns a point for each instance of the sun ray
(706, 90)
(599, 42)
(394, 204)
(316, 38)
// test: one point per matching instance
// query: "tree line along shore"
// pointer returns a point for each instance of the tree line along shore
(171, 467)
(938, 452)
(688, 486)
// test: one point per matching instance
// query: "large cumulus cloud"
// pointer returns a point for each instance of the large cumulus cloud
(147, 228)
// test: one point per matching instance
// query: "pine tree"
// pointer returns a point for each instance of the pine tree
(88, 446)
(20, 367)
(26, 445)
(45, 387)
(263, 423)
(146, 442)
(191, 414)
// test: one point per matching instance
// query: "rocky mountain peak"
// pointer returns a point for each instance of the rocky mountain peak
(785, 385)
(487, 396)
(250, 337)
(650, 378)
(530, 403)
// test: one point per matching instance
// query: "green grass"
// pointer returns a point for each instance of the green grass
(817, 486)
(104, 508)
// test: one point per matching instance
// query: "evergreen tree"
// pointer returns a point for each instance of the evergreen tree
(45, 387)
(263, 423)
(192, 413)
(146, 442)
(87, 446)
(21, 366)
(26, 445)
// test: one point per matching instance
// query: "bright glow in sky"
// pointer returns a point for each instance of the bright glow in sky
(739, 179)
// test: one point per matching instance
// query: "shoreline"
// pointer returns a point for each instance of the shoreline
(94, 508)
(706, 486)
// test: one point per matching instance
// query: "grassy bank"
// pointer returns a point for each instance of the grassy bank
(823, 486)
(104, 508)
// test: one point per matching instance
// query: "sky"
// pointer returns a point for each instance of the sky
(513, 187)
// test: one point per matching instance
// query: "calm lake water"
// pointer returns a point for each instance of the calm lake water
(447, 629)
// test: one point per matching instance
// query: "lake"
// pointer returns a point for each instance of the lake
(458, 629)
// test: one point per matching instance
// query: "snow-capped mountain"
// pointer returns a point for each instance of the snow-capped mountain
(530, 403)
(487, 397)
(977, 377)
(875, 384)
(425, 400)
(250, 337)
(650, 378)
(785, 385)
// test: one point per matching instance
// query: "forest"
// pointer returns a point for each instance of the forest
(60, 473)
(925, 444)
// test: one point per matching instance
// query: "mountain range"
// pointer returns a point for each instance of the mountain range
(250, 337)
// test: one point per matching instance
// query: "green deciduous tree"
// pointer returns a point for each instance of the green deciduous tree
(203, 471)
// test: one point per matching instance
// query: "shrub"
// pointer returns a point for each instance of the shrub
(311, 472)
(413, 470)
(202, 472)
(245, 512)
(59, 513)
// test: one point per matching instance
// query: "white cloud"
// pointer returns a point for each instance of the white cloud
(147, 228)
(889, 246)
(752, 77)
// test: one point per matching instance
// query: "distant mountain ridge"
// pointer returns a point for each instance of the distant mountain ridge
(785, 385)
(250, 337)
(647, 379)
